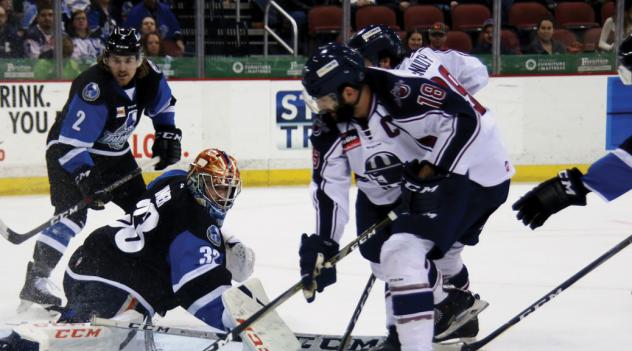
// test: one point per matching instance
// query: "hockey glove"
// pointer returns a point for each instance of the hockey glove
(167, 146)
(536, 206)
(315, 273)
(90, 184)
(420, 196)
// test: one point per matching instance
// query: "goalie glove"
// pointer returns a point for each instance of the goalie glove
(315, 274)
(240, 259)
(555, 194)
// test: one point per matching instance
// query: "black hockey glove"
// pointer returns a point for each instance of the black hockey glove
(420, 196)
(167, 146)
(90, 184)
(536, 206)
(315, 274)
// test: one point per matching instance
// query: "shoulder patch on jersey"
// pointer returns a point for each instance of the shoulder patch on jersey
(91, 92)
(400, 91)
(213, 235)
(350, 140)
(153, 66)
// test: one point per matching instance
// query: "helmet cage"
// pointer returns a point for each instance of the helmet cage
(215, 181)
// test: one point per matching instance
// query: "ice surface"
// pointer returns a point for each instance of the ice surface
(511, 268)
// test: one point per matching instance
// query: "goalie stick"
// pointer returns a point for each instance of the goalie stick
(548, 297)
(360, 239)
(309, 341)
(17, 238)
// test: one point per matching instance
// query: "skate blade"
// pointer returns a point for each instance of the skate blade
(464, 317)
(448, 346)
(53, 311)
(24, 306)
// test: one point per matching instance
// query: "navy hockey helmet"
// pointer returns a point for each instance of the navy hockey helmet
(329, 70)
(124, 42)
(625, 58)
(376, 42)
(214, 181)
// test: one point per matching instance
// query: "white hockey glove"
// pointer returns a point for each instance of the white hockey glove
(240, 259)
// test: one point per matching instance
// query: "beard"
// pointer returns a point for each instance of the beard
(344, 112)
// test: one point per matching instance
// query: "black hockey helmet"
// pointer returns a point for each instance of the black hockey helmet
(329, 70)
(124, 42)
(376, 42)
(625, 58)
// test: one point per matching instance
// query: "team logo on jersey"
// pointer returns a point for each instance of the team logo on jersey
(350, 140)
(91, 92)
(384, 168)
(400, 91)
(213, 235)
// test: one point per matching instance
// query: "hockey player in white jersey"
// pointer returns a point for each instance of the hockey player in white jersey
(381, 47)
(418, 146)
(609, 177)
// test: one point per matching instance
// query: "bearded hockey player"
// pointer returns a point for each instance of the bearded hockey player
(418, 146)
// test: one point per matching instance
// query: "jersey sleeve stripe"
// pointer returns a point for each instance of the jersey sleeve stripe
(208, 298)
(192, 275)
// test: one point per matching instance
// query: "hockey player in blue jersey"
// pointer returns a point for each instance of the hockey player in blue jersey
(381, 47)
(609, 177)
(421, 147)
(87, 147)
(169, 251)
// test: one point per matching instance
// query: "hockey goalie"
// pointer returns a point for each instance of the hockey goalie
(170, 252)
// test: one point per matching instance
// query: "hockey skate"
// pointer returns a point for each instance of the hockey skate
(14, 342)
(455, 317)
(391, 343)
(37, 290)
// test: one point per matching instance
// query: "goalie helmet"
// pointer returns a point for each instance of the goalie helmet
(376, 42)
(124, 42)
(329, 70)
(625, 59)
(214, 181)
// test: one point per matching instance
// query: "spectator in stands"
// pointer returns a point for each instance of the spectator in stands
(543, 43)
(606, 39)
(437, 36)
(10, 43)
(166, 21)
(413, 42)
(148, 25)
(45, 69)
(100, 18)
(151, 44)
(12, 19)
(38, 40)
(86, 47)
(485, 39)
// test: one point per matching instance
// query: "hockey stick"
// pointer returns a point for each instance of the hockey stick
(18, 238)
(346, 337)
(548, 297)
(367, 234)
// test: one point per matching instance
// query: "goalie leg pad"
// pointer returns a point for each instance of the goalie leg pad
(50, 336)
(270, 332)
